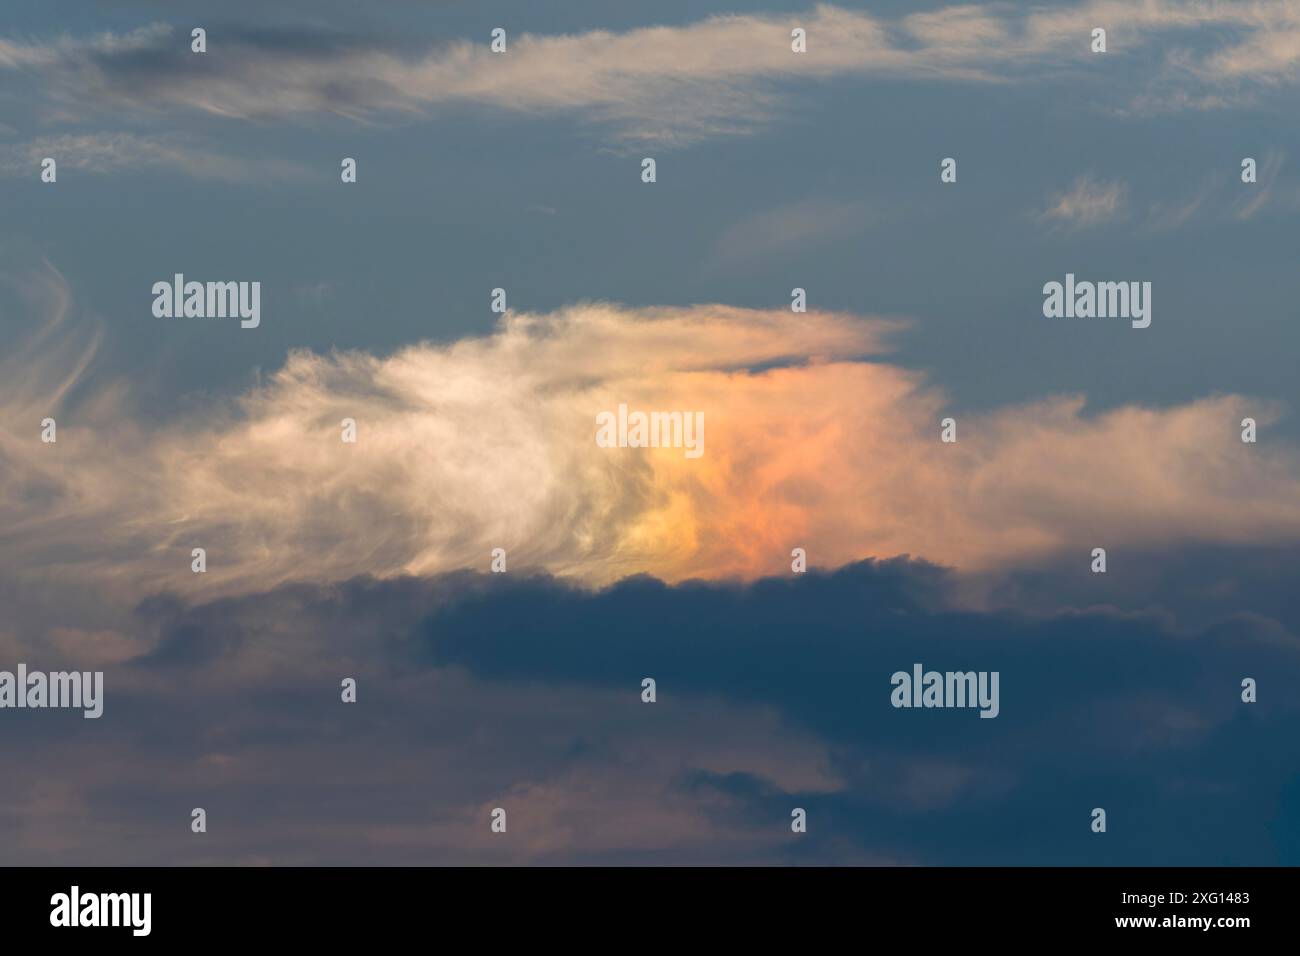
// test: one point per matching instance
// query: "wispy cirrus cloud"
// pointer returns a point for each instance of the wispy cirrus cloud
(1265, 190)
(804, 224)
(1088, 202)
(1166, 215)
(1223, 196)
(117, 152)
(668, 84)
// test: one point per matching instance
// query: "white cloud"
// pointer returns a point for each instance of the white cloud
(671, 85)
(489, 442)
(1087, 203)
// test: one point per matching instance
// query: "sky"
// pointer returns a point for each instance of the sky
(477, 430)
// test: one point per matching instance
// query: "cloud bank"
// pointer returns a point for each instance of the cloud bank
(812, 441)
(478, 691)
(665, 84)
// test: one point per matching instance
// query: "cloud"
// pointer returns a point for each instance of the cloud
(1261, 193)
(574, 790)
(1086, 204)
(1170, 214)
(670, 85)
(114, 152)
(771, 695)
(1269, 54)
(1223, 197)
(799, 225)
(811, 441)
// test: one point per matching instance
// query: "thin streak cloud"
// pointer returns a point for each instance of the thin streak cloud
(115, 153)
(812, 441)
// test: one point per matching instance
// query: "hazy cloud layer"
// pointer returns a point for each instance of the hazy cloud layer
(670, 84)
(798, 226)
(119, 152)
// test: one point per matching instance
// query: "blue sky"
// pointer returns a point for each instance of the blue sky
(547, 203)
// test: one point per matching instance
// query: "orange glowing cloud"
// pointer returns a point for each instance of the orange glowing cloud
(810, 441)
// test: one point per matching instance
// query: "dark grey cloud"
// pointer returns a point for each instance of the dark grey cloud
(479, 691)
